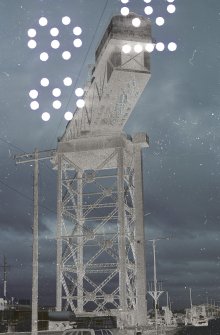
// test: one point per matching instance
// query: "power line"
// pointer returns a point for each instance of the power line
(24, 195)
(11, 144)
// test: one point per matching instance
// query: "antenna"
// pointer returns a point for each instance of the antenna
(5, 267)
(155, 294)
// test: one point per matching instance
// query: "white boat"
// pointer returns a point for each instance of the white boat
(196, 316)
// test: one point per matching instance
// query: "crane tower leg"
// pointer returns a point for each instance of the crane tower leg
(141, 307)
(59, 233)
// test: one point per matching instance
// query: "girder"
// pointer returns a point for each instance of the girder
(100, 228)
(117, 81)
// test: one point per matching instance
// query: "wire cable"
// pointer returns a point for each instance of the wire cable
(24, 195)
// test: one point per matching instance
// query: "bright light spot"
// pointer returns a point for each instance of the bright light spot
(79, 92)
(67, 81)
(68, 116)
(45, 116)
(148, 10)
(54, 32)
(80, 103)
(32, 44)
(57, 104)
(56, 92)
(77, 31)
(32, 32)
(43, 21)
(138, 48)
(136, 22)
(124, 1)
(172, 46)
(66, 20)
(77, 43)
(44, 82)
(147, 1)
(160, 46)
(149, 47)
(34, 105)
(126, 48)
(125, 11)
(44, 56)
(170, 0)
(66, 55)
(160, 21)
(33, 94)
(55, 44)
(171, 9)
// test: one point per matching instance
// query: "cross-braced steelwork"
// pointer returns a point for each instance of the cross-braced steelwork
(100, 228)
(101, 233)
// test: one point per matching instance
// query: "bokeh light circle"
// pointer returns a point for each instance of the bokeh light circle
(54, 32)
(125, 11)
(124, 1)
(79, 92)
(126, 48)
(148, 10)
(56, 92)
(66, 20)
(33, 94)
(55, 44)
(147, 1)
(138, 48)
(160, 21)
(32, 44)
(77, 31)
(57, 104)
(43, 21)
(67, 81)
(45, 116)
(77, 43)
(44, 56)
(31, 32)
(44, 82)
(80, 103)
(66, 55)
(171, 9)
(160, 46)
(149, 47)
(136, 22)
(68, 116)
(34, 105)
(172, 46)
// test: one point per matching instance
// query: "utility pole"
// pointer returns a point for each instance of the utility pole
(34, 324)
(28, 158)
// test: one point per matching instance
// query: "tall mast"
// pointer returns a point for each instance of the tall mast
(5, 277)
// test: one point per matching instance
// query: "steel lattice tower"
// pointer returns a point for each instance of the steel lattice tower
(100, 226)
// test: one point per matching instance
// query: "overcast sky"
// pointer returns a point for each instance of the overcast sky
(179, 110)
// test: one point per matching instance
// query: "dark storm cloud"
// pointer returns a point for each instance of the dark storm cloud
(180, 112)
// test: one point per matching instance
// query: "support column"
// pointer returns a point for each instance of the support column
(80, 221)
(59, 235)
(141, 304)
(34, 324)
(121, 229)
